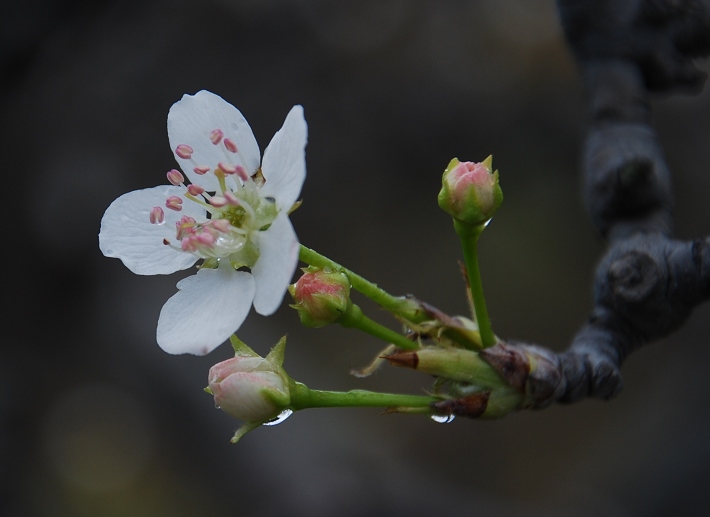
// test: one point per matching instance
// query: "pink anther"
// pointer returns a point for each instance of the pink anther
(221, 225)
(195, 190)
(157, 216)
(230, 145)
(227, 168)
(216, 136)
(174, 203)
(201, 169)
(184, 151)
(242, 173)
(231, 198)
(217, 201)
(175, 177)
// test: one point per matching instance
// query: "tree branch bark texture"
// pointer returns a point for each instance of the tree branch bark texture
(647, 283)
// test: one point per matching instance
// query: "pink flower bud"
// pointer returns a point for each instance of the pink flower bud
(249, 388)
(470, 191)
(321, 296)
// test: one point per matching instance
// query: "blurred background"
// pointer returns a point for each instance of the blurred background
(95, 420)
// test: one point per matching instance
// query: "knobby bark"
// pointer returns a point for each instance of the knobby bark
(647, 283)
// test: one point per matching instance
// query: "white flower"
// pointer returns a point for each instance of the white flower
(234, 215)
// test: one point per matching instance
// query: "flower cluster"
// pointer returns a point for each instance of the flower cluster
(233, 214)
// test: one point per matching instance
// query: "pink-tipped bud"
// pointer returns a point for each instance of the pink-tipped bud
(195, 190)
(227, 168)
(175, 177)
(217, 201)
(184, 151)
(216, 136)
(231, 146)
(201, 170)
(174, 203)
(242, 173)
(252, 389)
(157, 216)
(321, 296)
(470, 191)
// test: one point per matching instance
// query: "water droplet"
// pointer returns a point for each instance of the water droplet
(216, 406)
(443, 419)
(282, 416)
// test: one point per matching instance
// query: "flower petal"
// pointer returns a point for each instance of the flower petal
(278, 257)
(190, 122)
(284, 164)
(127, 233)
(206, 310)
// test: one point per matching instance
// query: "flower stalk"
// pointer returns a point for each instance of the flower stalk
(402, 306)
(354, 318)
(469, 243)
(302, 397)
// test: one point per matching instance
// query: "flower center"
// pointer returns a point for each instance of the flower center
(234, 213)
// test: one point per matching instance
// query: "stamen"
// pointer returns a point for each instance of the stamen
(195, 190)
(216, 136)
(217, 201)
(184, 151)
(175, 177)
(227, 168)
(157, 216)
(231, 198)
(230, 145)
(242, 173)
(221, 225)
(201, 169)
(174, 203)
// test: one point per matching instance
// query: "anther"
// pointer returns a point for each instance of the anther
(175, 177)
(221, 225)
(227, 168)
(242, 173)
(231, 146)
(184, 151)
(216, 136)
(195, 190)
(157, 216)
(201, 169)
(231, 198)
(217, 201)
(174, 203)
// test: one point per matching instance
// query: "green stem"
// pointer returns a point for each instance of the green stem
(354, 318)
(469, 240)
(398, 305)
(303, 397)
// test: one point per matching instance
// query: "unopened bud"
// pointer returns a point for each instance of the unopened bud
(249, 388)
(321, 296)
(470, 191)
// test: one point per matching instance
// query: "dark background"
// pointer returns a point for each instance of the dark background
(97, 421)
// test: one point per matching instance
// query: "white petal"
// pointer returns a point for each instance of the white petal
(190, 122)
(127, 233)
(278, 257)
(207, 309)
(284, 164)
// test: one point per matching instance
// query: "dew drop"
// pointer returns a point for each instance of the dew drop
(216, 406)
(282, 416)
(443, 419)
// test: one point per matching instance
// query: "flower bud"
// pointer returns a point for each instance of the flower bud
(321, 295)
(250, 388)
(470, 191)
